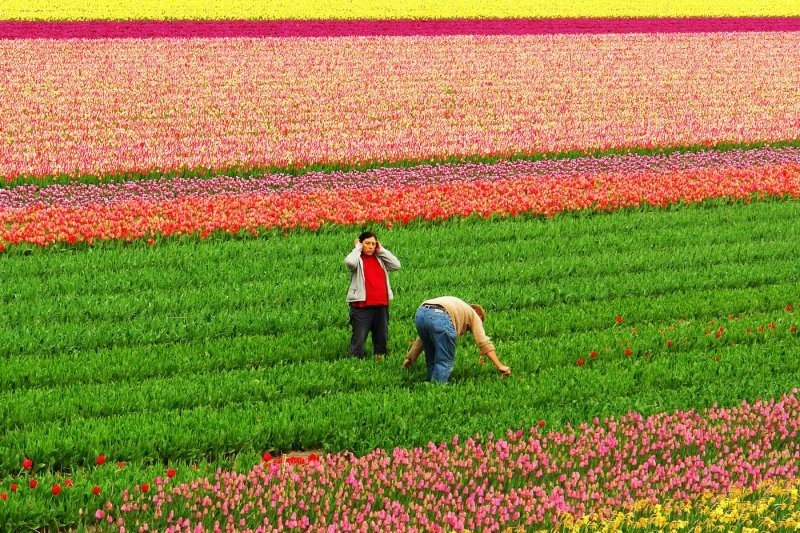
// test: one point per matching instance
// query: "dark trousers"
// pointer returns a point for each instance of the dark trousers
(365, 320)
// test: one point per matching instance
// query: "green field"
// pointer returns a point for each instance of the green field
(193, 351)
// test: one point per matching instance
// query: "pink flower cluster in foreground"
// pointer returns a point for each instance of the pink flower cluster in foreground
(67, 217)
(113, 105)
(522, 480)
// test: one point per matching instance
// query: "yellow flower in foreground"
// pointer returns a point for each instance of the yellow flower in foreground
(773, 507)
(383, 9)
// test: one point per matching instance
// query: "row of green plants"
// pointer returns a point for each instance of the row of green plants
(299, 170)
(184, 291)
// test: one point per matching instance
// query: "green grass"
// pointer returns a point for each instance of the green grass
(204, 351)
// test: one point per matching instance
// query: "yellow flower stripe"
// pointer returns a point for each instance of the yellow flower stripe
(385, 9)
(774, 506)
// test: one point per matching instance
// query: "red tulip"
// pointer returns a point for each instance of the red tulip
(793, 329)
(145, 487)
(541, 423)
(171, 473)
(592, 354)
(618, 319)
(101, 459)
(96, 490)
(580, 361)
(628, 352)
(789, 308)
(669, 343)
(14, 487)
(3, 496)
(313, 458)
(56, 490)
(27, 463)
(266, 457)
(68, 483)
(32, 483)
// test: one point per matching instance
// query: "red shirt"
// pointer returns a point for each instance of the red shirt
(374, 282)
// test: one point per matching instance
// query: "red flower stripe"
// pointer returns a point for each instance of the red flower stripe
(537, 195)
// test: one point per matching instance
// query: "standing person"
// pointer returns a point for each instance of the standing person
(440, 321)
(370, 292)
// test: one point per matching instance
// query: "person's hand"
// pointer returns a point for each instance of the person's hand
(503, 369)
(377, 245)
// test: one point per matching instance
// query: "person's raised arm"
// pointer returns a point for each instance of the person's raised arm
(389, 260)
(352, 258)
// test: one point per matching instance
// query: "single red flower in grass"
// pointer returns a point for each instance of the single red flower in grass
(580, 361)
(171, 473)
(748, 329)
(96, 490)
(618, 319)
(720, 332)
(789, 308)
(628, 352)
(144, 487)
(771, 325)
(32, 483)
(541, 423)
(14, 487)
(56, 490)
(793, 329)
(101, 459)
(120, 464)
(761, 328)
(3, 496)
(669, 343)
(68, 483)
(592, 354)
(266, 457)
(27, 464)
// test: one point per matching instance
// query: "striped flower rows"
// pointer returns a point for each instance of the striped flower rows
(128, 105)
(522, 480)
(134, 210)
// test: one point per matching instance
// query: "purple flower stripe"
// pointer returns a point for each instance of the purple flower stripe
(337, 28)
(81, 195)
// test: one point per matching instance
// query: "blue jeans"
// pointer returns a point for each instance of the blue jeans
(438, 336)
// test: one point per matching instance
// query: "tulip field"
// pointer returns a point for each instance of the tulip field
(617, 184)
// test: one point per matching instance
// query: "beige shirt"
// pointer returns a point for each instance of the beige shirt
(464, 319)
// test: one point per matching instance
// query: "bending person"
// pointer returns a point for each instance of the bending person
(440, 321)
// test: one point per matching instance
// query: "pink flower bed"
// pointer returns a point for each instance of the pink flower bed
(338, 28)
(116, 105)
(522, 480)
(88, 213)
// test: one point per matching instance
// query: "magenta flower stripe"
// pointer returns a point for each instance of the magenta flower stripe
(341, 28)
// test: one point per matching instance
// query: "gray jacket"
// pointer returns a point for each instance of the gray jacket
(358, 291)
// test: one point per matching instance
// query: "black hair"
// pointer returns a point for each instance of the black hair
(366, 235)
